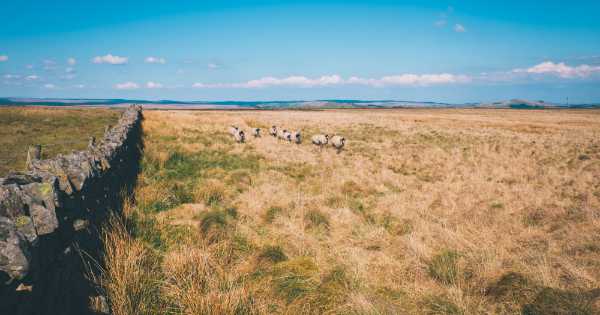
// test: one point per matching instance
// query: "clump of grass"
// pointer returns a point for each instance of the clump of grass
(210, 192)
(295, 278)
(214, 224)
(131, 273)
(316, 219)
(444, 267)
(272, 213)
(496, 205)
(438, 305)
(334, 201)
(273, 253)
(556, 301)
(534, 218)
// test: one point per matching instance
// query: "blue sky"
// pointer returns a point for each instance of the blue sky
(458, 51)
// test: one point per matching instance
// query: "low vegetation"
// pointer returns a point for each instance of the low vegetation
(423, 212)
(57, 130)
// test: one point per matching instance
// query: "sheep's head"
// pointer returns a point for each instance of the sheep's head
(327, 137)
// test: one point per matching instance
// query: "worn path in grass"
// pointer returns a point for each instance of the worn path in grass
(425, 211)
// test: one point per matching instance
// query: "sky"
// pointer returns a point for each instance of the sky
(457, 51)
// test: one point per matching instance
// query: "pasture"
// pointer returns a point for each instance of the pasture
(59, 131)
(456, 211)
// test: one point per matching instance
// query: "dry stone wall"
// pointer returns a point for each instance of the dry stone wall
(51, 215)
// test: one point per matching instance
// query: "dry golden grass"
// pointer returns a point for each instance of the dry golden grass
(425, 211)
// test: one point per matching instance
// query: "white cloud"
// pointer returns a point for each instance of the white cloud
(459, 28)
(49, 86)
(440, 23)
(11, 76)
(153, 85)
(69, 70)
(335, 80)
(29, 66)
(110, 59)
(79, 86)
(561, 69)
(31, 77)
(213, 66)
(49, 64)
(72, 61)
(412, 80)
(127, 86)
(155, 60)
(3, 58)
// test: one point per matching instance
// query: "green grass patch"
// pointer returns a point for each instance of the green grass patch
(316, 219)
(273, 253)
(58, 130)
(444, 267)
(295, 278)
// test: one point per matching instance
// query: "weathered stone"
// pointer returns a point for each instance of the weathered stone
(44, 219)
(80, 224)
(14, 251)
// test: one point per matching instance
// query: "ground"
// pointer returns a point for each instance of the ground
(57, 130)
(458, 211)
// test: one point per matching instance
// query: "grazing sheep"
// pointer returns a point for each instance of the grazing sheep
(320, 140)
(287, 136)
(338, 142)
(296, 137)
(273, 131)
(240, 136)
(233, 130)
(281, 134)
(256, 132)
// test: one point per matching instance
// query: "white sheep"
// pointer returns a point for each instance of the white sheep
(240, 136)
(281, 134)
(256, 132)
(320, 140)
(287, 136)
(273, 131)
(296, 137)
(233, 130)
(338, 142)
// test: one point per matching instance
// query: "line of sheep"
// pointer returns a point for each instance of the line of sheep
(320, 140)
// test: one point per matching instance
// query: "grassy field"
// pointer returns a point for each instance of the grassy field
(424, 212)
(57, 130)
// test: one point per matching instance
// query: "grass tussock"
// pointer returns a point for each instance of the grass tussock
(444, 267)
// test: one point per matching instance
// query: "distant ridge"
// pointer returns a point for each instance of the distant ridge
(314, 104)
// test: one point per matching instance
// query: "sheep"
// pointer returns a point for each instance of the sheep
(338, 142)
(240, 136)
(287, 136)
(320, 140)
(273, 131)
(233, 130)
(256, 132)
(281, 134)
(296, 137)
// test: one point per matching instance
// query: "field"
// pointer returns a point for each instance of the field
(423, 212)
(59, 131)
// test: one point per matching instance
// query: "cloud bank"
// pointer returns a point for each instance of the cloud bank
(336, 80)
(3, 58)
(561, 70)
(110, 59)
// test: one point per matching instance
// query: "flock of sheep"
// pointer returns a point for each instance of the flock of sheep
(292, 136)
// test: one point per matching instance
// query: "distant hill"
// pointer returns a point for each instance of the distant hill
(316, 104)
